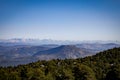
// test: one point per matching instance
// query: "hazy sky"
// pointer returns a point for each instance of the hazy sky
(60, 19)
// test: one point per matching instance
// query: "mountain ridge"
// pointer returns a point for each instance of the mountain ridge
(64, 51)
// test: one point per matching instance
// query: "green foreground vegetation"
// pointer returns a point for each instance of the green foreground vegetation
(102, 66)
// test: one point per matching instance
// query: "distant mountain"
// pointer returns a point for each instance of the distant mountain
(22, 54)
(20, 51)
(15, 55)
(20, 41)
(62, 52)
(97, 47)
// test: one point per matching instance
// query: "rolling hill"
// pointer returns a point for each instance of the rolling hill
(62, 52)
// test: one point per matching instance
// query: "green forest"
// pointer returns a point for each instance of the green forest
(102, 66)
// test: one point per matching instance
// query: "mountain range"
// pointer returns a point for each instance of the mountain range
(101, 66)
(20, 41)
(22, 54)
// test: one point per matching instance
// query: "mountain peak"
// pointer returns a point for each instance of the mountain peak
(64, 51)
(67, 49)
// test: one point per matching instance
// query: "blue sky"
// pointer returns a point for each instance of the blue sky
(60, 19)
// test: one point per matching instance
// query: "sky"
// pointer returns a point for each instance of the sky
(60, 19)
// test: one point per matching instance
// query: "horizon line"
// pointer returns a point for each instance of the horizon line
(53, 39)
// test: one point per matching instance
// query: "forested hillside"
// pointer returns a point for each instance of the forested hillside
(102, 66)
